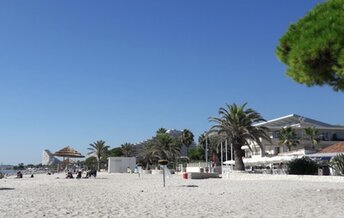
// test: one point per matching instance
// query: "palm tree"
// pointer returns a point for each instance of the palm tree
(236, 124)
(99, 149)
(161, 130)
(147, 155)
(312, 134)
(163, 146)
(166, 147)
(288, 137)
(187, 139)
(127, 149)
(202, 140)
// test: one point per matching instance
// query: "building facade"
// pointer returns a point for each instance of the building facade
(327, 135)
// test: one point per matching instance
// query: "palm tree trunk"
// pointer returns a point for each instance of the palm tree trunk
(239, 164)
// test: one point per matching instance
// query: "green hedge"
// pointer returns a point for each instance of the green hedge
(302, 166)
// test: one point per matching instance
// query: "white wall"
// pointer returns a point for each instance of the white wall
(120, 164)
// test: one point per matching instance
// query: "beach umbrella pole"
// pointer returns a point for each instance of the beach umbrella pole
(163, 173)
(163, 164)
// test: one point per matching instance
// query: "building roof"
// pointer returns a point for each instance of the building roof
(295, 120)
(336, 148)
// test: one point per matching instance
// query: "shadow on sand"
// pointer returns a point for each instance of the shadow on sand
(189, 186)
(1, 189)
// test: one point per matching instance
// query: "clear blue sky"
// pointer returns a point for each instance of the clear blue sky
(73, 72)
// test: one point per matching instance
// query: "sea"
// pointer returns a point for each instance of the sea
(8, 172)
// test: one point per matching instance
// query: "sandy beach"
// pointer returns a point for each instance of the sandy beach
(127, 195)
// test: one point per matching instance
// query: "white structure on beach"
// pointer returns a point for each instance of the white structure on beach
(48, 158)
(121, 164)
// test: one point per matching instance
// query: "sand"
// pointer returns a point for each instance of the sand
(127, 195)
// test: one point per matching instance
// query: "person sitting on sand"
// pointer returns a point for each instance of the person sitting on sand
(91, 173)
(94, 173)
(69, 175)
(19, 175)
(78, 176)
(88, 174)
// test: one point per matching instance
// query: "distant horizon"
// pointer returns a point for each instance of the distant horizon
(73, 72)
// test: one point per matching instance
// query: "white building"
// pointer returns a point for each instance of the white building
(121, 164)
(328, 135)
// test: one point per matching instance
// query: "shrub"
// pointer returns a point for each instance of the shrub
(337, 163)
(302, 166)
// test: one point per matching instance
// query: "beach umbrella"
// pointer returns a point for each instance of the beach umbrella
(68, 152)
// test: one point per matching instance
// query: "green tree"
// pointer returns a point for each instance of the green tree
(288, 137)
(313, 135)
(236, 124)
(202, 140)
(196, 153)
(187, 138)
(313, 48)
(146, 156)
(91, 163)
(115, 152)
(166, 146)
(161, 130)
(99, 149)
(127, 149)
(162, 146)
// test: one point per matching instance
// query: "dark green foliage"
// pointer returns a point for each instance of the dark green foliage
(127, 149)
(161, 147)
(100, 149)
(115, 152)
(302, 166)
(187, 137)
(20, 166)
(313, 47)
(161, 130)
(202, 140)
(197, 153)
(288, 137)
(91, 163)
(337, 163)
(313, 135)
(236, 124)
